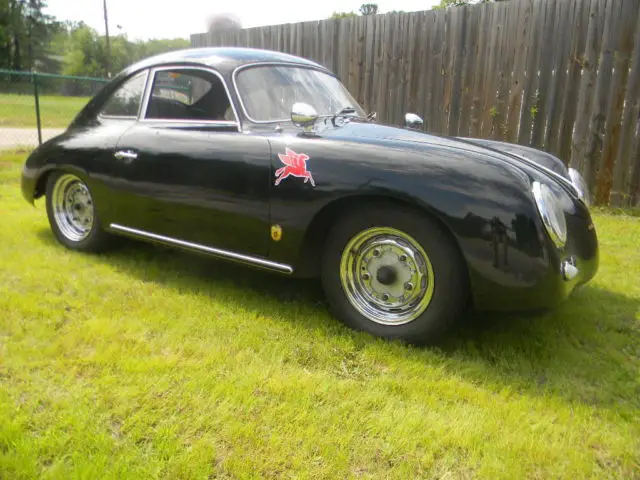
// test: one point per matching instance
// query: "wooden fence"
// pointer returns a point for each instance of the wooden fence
(560, 75)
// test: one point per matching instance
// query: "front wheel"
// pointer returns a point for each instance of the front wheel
(394, 273)
(72, 214)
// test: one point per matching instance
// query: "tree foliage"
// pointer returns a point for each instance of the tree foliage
(365, 9)
(368, 9)
(29, 39)
(339, 15)
(24, 32)
(462, 3)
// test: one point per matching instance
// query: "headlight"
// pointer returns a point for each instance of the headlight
(580, 185)
(551, 211)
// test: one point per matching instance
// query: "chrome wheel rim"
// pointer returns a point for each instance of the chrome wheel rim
(72, 207)
(387, 276)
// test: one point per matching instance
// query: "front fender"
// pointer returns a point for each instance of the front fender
(538, 156)
(34, 168)
(483, 201)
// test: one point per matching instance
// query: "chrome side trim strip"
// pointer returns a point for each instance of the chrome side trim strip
(256, 261)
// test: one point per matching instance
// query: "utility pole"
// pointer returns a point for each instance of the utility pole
(106, 29)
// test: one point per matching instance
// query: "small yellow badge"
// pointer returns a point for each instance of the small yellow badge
(276, 233)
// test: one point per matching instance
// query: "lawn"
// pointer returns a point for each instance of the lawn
(56, 111)
(149, 363)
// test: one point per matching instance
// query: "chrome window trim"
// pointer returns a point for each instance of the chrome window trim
(145, 104)
(218, 252)
(218, 123)
(144, 92)
(265, 64)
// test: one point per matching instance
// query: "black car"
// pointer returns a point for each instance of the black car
(266, 159)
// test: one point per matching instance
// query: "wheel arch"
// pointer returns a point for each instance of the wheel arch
(40, 187)
(319, 228)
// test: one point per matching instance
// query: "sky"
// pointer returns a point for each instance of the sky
(144, 19)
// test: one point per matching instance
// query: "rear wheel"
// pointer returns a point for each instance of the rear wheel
(72, 214)
(394, 273)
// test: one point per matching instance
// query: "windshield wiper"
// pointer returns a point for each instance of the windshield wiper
(348, 110)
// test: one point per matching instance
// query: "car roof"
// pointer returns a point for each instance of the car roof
(223, 59)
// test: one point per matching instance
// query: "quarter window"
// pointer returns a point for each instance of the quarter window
(189, 94)
(125, 101)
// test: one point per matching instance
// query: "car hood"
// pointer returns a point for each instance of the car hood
(402, 138)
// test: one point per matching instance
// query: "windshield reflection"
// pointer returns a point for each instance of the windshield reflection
(268, 92)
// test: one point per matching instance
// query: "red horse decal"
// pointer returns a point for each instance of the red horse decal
(296, 165)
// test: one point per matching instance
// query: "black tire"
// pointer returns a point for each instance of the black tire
(95, 240)
(450, 292)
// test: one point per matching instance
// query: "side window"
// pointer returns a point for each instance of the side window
(188, 94)
(126, 100)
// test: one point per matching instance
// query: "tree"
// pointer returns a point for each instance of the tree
(24, 32)
(368, 9)
(339, 15)
(462, 3)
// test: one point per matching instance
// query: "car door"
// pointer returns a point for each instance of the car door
(90, 143)
(187, 173)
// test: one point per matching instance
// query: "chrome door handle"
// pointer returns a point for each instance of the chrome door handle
(125, 155)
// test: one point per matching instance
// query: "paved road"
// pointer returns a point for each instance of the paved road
(25, 137)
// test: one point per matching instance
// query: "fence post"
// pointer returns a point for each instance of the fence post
(37, 99)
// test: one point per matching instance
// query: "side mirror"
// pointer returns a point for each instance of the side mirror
(303, 115)
(411, 120)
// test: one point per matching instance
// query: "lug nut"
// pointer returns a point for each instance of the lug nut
(366, 276)
(403, 258)
(385, 297)
(408, 286)
(376, 253)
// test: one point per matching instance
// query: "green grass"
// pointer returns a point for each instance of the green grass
(56, 111)
(149, 363)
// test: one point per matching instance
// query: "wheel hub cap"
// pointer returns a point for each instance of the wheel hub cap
(387, 276)
(72, 207)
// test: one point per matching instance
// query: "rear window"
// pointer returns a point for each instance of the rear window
(126, 99)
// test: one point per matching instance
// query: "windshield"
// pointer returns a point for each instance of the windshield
(268, 92)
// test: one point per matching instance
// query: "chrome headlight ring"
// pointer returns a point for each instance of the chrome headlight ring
(550, 207)
(580, 185)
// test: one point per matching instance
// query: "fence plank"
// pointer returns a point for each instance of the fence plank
(489, 94)
(479, 80)
(565, 13)
(522, 32)
(601, 96)
(589, 61)
(531, 79)
(421, 72)
(435, 71)
(468, 67)
(459, 33)
(626, 23)
(545, 74)
(622, 191)
(504, 67)
(570, 91)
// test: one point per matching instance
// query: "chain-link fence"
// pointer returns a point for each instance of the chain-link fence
(37, 106)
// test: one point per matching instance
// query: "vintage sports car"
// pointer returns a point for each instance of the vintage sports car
(266, 159)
